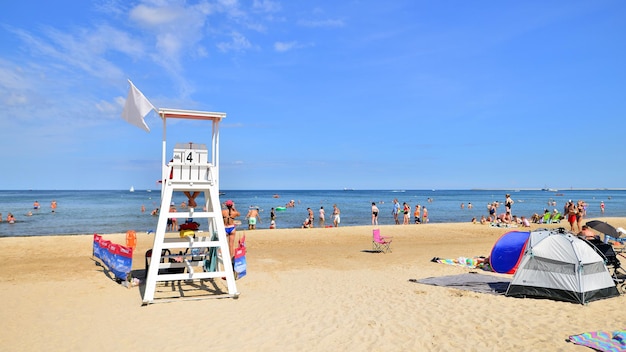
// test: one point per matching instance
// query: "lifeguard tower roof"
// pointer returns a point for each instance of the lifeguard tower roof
(191, 114)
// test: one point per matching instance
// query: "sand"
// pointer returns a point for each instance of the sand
(306, 290)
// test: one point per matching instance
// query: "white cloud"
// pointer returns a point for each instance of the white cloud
(15, 98)
(110, 108)
(285, 46)
(177, 29)
(321, 23)
(11, 76)
(237, 43)
(83, 50)
(266, 6)
(155, 17)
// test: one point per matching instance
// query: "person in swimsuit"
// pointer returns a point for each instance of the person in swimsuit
(581, 207)
(172, 223)
(311, 217)
(229, 214)
(36, 205)
(572, 211)
(336, 215)
(587, 234)
(253, 216)
(406, 210)
(416, 214)
(374, 214)
(508, 202)
(492, 211)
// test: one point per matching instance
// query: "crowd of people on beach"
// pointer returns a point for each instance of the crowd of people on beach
(402, 213)
(573, 212)
(503, 219)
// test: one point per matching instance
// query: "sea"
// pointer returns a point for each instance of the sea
(117, 211)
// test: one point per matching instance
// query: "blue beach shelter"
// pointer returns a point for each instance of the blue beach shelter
(507, 252)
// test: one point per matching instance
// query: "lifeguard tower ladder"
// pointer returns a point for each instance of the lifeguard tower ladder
(190, 170)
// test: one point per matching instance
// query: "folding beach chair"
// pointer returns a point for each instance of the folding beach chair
(381, 243)
(618, 243)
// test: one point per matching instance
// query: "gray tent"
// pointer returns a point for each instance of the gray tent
(560, 266)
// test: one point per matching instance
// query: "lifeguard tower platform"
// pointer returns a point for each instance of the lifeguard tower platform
(182, 257)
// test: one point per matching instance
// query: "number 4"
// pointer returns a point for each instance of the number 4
(190, 157)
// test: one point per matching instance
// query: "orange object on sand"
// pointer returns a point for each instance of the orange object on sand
(131, 239)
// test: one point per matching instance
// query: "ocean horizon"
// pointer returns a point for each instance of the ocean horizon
(117, 211)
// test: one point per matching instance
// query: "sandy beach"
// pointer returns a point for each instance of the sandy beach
(306, 290)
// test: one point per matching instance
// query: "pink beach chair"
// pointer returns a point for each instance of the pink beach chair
(381, 243)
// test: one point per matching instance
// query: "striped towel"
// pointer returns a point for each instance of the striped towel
(602, 340)
(471, 263)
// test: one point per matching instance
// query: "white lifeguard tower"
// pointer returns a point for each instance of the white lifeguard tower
(193, 168)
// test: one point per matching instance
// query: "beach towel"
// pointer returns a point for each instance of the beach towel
(501, 224)
(466, 262)
(614, 341)
(469, 282)
(210, 263)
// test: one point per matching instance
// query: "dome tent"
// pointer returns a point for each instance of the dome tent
(560, 266)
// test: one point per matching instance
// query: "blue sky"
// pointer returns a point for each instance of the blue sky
(318, 94)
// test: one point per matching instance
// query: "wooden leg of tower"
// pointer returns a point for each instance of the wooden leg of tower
(157, 247)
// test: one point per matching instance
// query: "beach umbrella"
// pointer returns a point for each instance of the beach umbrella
(603, 227)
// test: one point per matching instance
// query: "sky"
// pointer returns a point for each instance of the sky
(318, 94)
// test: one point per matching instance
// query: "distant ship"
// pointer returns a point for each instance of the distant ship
(132, 189)
(348, 189)
(549, 189)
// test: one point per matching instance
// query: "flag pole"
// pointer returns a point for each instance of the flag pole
(164, 174)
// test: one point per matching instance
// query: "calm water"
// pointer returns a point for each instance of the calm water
(87, 212)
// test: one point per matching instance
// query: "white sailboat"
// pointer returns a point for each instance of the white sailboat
(132, 189)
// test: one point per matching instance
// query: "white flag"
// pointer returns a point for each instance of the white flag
(136, 108)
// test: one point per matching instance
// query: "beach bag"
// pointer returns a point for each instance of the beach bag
(192, 225)
(240, 264)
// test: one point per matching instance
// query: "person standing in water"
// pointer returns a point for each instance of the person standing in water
(253, 216)
(336, 215)
(374, 214)
(395, 211)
